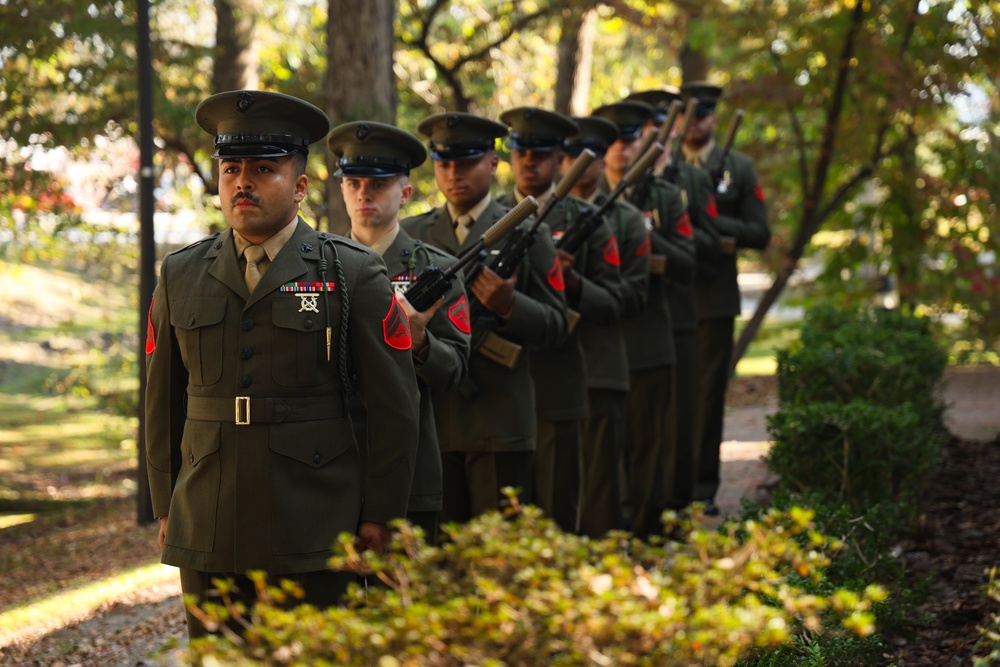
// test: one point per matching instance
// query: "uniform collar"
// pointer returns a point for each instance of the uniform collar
(273, 245)
(473, 212)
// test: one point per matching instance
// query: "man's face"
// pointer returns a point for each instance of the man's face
(701, 130)
(620, 154)
(374, 202)
(591, 178)
(260, 195)
(464, 183)
(534, 170)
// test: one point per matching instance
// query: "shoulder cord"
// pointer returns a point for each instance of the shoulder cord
(345, 309)
(420, 248)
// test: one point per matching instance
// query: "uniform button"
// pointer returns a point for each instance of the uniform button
(191, 458)
(246, 352)
(245, 381)
(248, 324)
(191, 321)
(316, 458)
(308, 324)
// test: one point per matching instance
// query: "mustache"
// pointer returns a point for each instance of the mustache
(244, 195)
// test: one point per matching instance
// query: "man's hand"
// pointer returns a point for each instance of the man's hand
(570, 276)
(163, 531)
(374, 536)
(418, 322)
(494, 292)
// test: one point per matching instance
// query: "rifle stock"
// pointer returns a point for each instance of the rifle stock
(677, 152)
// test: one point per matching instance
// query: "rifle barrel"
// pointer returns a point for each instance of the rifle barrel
(495, 233)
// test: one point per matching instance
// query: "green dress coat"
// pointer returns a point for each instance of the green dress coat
(274, 494)
(742, 216)
(500, 415)
(441, 367)
(560, 374)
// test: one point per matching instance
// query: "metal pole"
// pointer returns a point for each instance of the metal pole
(147, 245)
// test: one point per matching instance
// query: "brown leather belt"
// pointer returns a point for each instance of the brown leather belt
(243, 410)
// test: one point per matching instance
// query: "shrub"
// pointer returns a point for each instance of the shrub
(988, 648)
(884, 357)
(858, 453)
(518, 591)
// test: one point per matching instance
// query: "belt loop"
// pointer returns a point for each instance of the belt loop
(242, 410)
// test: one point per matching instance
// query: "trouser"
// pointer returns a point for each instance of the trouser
(714, 357)
(557, 471)
(472, 481)
(428, 521)
(680, 476)
(323, 588)
(645, 446)
(601, 455)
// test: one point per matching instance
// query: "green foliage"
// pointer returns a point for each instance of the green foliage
(884, 357)
(870, 535)
(516, 590)
(988, 648)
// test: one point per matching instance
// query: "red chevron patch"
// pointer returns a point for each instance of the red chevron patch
(150, 334)
(396, 327)
(684, 225)
(556, 276)
(711, 208)
(759, 192)
(610, 252)
(644, 248)
(458, 313)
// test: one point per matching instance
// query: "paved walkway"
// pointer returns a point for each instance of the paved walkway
(972, 395)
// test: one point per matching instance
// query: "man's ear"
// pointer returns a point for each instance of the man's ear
(301, 183)
(494, 161)
(406, 194)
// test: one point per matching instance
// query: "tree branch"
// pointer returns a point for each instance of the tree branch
(800, 138)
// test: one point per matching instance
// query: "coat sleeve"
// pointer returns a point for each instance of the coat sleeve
(601, 282)
(750, 228)
(634, 247)
(446, 362)
(388, 387)
(166, 385)
(704, 216)
(675, 228)
(539, 314)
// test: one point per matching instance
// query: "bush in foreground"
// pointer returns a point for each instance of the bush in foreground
(517, 591)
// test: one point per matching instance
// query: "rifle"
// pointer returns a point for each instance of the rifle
(718, 171)
(433, 283)
(650, 138)
(576, 235)
(520, 241)
(677, 153)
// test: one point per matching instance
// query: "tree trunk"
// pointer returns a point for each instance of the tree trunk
(576, 55)
(692, 58)
(360, 84)
(237, 55)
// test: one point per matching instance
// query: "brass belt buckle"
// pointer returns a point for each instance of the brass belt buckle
(242, 410)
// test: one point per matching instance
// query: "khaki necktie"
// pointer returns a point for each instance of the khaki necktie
(253, 254)
(462, 227)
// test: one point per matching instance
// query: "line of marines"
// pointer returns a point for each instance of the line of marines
(593, 381)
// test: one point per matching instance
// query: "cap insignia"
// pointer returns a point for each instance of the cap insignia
(452, 121)
(364, 130)
(244, 102)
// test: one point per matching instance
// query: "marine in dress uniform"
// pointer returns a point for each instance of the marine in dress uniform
(374, 164)
(487, 431)
(649, 337)
(592, 283)
(699, 192)
(604, 351)
(742, 223)
(251, 457)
